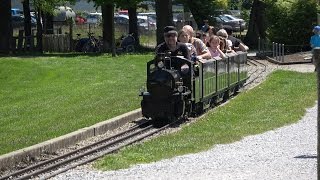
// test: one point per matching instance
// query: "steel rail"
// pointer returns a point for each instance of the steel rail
(43, 163)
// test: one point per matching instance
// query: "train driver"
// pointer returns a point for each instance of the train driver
(172, 45)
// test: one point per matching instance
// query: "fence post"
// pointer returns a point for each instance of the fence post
(70, 34)
(316, 57)
(259, 41)
(273, 49)
(276, 51)
(282, 52)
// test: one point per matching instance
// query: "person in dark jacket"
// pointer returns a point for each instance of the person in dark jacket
(172, 45)
(237, 44)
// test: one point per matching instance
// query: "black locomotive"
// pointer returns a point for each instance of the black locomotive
(178, 87)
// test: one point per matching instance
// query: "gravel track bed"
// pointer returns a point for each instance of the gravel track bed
(285, 153)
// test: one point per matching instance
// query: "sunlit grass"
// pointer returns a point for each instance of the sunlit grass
(280, 100)
(49, 96)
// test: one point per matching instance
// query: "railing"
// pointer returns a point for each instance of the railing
(23, 43)
(278, 52)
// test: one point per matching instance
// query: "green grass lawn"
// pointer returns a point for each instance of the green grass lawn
(280, 100)
(52, 95)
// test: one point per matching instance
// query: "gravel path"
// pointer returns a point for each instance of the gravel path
(287, 153)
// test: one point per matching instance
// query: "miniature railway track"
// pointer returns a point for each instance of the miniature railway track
(258, 69)
(52, 167)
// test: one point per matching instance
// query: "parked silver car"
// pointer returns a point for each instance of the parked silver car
(236, 24)
(94, 18)
(145, 23)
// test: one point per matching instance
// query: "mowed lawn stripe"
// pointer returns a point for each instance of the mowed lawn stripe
(280, 100)
(46, 97)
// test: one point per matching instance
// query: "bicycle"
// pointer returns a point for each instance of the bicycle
(90, 44)
(126, 43)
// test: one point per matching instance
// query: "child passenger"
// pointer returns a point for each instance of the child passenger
(183, 37)
(214, 47)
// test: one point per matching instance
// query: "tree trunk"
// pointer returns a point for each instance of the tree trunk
(133, 25)
(39, 31)
(108, 27)
(27, 18)
(164, 17)
(48, 23)
(6, 27)
(257, 24)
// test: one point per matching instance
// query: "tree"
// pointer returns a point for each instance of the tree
(6, 28)
(27, 17)
(257, 23)
(132, 13)
(291, 22)
(108, 26)
(45, 11)
(108, 22)
(202, 10)
(164, 17)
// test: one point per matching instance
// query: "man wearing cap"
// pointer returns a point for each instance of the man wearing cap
(315, 40)
(171, 44)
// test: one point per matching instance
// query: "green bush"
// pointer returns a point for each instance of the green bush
(291, 22)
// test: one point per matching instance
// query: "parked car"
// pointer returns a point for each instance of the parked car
(94, 18)
(144, 22)
(235, 13)
(121, 21)
(16, 11)
(235, 24)
(233, 18)
(17, 21)
(80, 19)
(149, 14)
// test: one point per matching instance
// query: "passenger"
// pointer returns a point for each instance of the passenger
(183, 37)
(223, 33)
(237, 44)
(172, 45)
(315, 41)
(198, 34)
(205, 27)
(202, 50)
(211, 31)
(223, 45)
(205, 37)
(214, 47)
